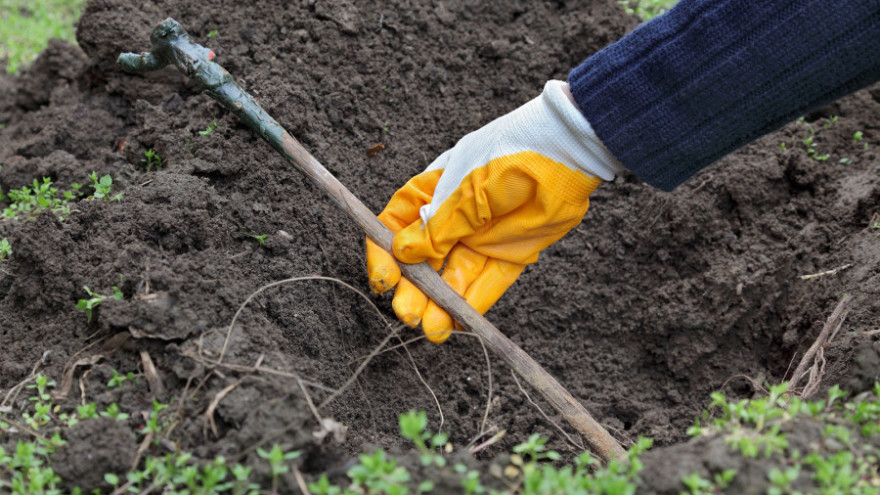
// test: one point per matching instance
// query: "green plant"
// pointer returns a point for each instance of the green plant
(209, 129)
(113, 412)
(533, 449)
(213, 33)
(5, 249)
(152, 159)
(154, 424)
(379, 474)
(30, 201)
(413, 426)
(117, 380)
(42, 414)
(95, 299)
(277, 459)
(87, 411)
(103, 187)
(26, 471)
(697, 485)
(260, 238)
(89, 305)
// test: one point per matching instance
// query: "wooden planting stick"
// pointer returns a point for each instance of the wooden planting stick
(172, 45)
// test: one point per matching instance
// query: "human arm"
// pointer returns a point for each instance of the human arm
(707, 77)
(664, 102)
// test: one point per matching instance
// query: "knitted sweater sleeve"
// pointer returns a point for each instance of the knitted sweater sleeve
(709, 76)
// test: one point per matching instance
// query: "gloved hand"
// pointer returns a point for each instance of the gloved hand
(489, 205)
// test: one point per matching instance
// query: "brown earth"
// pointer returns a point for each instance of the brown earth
(655, 300)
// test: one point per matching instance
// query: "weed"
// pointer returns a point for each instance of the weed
(209, 129)
(153, 424)
(114, 413)
(260, 238)
(213, 33)
(277, 459)
(413, 427)
(27, 471)
(89, 305)
(379, 474)
(42, 414)
(95, 299)
(30, 201)
(117, 380)
(5, 249)
(845, 161)
(752, 425)
(103, 188)
(152, 159)
(533, 449)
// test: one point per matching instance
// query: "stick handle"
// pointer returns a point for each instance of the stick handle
(172, 45)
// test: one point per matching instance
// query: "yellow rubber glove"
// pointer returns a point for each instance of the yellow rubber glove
(489, 205)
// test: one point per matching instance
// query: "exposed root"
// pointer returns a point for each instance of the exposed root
(489, 385)
(12, 394)
(335, 393)
(812, 365)
(571, 441)
(752, 381)
(492, 440)
(209, 413)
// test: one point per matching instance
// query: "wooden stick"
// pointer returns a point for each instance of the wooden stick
(172, 45)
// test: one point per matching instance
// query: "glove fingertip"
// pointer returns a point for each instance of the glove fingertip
(382, 280)
(436, 323)
(382, 271)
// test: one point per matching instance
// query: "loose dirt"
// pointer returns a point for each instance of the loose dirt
(654, 301)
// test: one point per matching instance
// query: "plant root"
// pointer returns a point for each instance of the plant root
(812, 365)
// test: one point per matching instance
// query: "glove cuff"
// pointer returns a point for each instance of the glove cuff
(578, 138)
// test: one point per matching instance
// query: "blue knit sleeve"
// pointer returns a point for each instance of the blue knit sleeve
(709, 76)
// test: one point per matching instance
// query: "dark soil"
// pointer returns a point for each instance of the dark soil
(654, 301)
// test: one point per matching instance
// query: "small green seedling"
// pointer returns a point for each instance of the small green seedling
(261, 238)
(5, 249)
(103, 187)
(858, 136)
(32, 200)
(114, 413)
(209, 129)
(117, 380)
(413, 426)
(153, 424)
(277, 462)
(152, 159)
(89, 305)
(213, 33)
